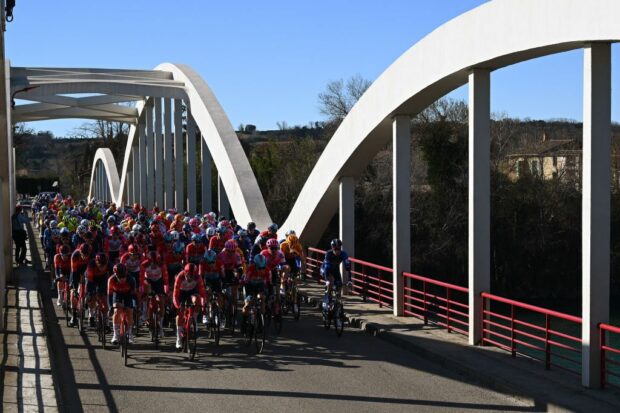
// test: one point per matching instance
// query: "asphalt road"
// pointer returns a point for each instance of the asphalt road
(305, 369)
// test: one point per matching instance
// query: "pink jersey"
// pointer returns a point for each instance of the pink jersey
(229, 260)
(273, 260)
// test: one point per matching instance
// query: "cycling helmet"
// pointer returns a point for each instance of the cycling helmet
(221, 230)
(111, 220)
(242, 233)
(190, 269)
(136, 228)
(120, 270)
(53, 224)
(196, 237)
(114, 230)
(101, 258)
(194, 222)
(131, 249)
(272, 243)
(82, 230)
(230, 245)
(260, 261)
(186, 220)
(65, 250)
(210, 232)
(210, 256)
(64, 231)
(224, 223)
(290, 232)
(272, 228)
(85, 222)
(336, 243)
(174, 235)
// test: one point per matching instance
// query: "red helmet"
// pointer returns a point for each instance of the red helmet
(114, 230)
(230, 245)
(272, 243)
(101, 258)
(131, 249)
(190, 269)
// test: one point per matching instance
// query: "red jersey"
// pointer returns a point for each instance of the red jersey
(123, 286)
(183, 284)
(216, 243)
(62, 264)
(171, 257)
(131, 262)
(273, 260)
(254, 273)
(96, 273)
(194, 252)
(206, 268)
(78, 263)
(268, 235)
(153, 273)
(230, 261)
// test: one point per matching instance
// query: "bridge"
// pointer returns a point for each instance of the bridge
(175, 108)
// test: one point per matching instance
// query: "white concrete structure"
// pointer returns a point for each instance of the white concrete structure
(497, 34)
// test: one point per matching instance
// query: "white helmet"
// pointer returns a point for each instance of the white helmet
(210, 231)
(175, 235)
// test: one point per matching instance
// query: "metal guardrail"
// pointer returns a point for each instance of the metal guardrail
(437, 302)
(610, 356)
(541, 341)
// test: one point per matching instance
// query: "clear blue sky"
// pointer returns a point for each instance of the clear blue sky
(267, 60)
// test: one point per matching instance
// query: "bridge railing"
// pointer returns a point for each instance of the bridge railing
(437, 302)
(548, 336)
(610, 355)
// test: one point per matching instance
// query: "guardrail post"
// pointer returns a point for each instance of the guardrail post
(603, 356)
(448, 297)
(596, 205)
(513, 346)
(401, 204)
(424, 306)
(479, 230)
(483, 309)
(365, 284)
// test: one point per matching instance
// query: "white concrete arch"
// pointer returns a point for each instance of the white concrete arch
(233, 167)
(491, 36)
(105, 158)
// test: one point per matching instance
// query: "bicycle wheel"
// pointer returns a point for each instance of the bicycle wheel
(192, 338)
(126, 346)
(248, 330)
(339, 319)
(155, 329)
(136, 321)
(81, 314)
(104, 325)
(67, 309)
(260, 333)
(296, 304)
(215, 328)
(233, 315)
(277, 318)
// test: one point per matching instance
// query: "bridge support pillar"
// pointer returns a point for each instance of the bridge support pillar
(129, 191)
(142, 156)
(135, 174)
(168, 154)
(205, 176)
(150, 158)
(347, 215)
(401, 196)
(191, 163)
(178, 157)
(596, 206)
(479, 197)
(223, 205)
(159, 156)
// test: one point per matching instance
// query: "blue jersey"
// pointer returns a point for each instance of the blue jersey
(331, 263)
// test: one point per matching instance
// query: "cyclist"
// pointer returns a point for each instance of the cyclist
(258, 247)
(252, 232)
(131, 261)
(97, 274)
(217, 242)
(113, 245)
(211, 270)
(188, 287)
(293, 251)
(330, 269)
(79, 263)
(175, 252)
(195, 250)
(121, 295)
(244, 244)
(275, 260)
(271, 232)
(62, 266)
(154, 276)
(256, 283)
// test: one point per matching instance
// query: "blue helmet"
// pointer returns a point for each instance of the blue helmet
(210, 256)
(196, 237)
(260, 261)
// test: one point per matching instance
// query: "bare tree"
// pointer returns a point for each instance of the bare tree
(339, 96)
(101, 129)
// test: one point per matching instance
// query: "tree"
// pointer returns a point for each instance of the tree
(339, 97)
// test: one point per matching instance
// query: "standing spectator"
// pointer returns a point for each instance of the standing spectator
(18, 224)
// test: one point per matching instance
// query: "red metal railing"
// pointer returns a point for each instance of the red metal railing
(610, 356)
(503, 325)
(372, 282)
(314, 259)
(437, 302)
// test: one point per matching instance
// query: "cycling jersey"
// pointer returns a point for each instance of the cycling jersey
(185, 287)
(214, 268)
(62, 264)
(217, 242)
(268, 235)
(194, 252)
(121, 290)
(273, 260)
(131, 261)
(96, 273)
(153, 273)
(291, 251)
(230, 261)
(253, 274)
(331, 263)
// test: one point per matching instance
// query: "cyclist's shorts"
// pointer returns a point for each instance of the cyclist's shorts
(125, 300)
(292, 263)
(214, 282)
(337, 278)
(157, 286)
(135, 275)
(253, 288)
(98, 286)
(74, 279)
(229, 277)
(186, 296)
